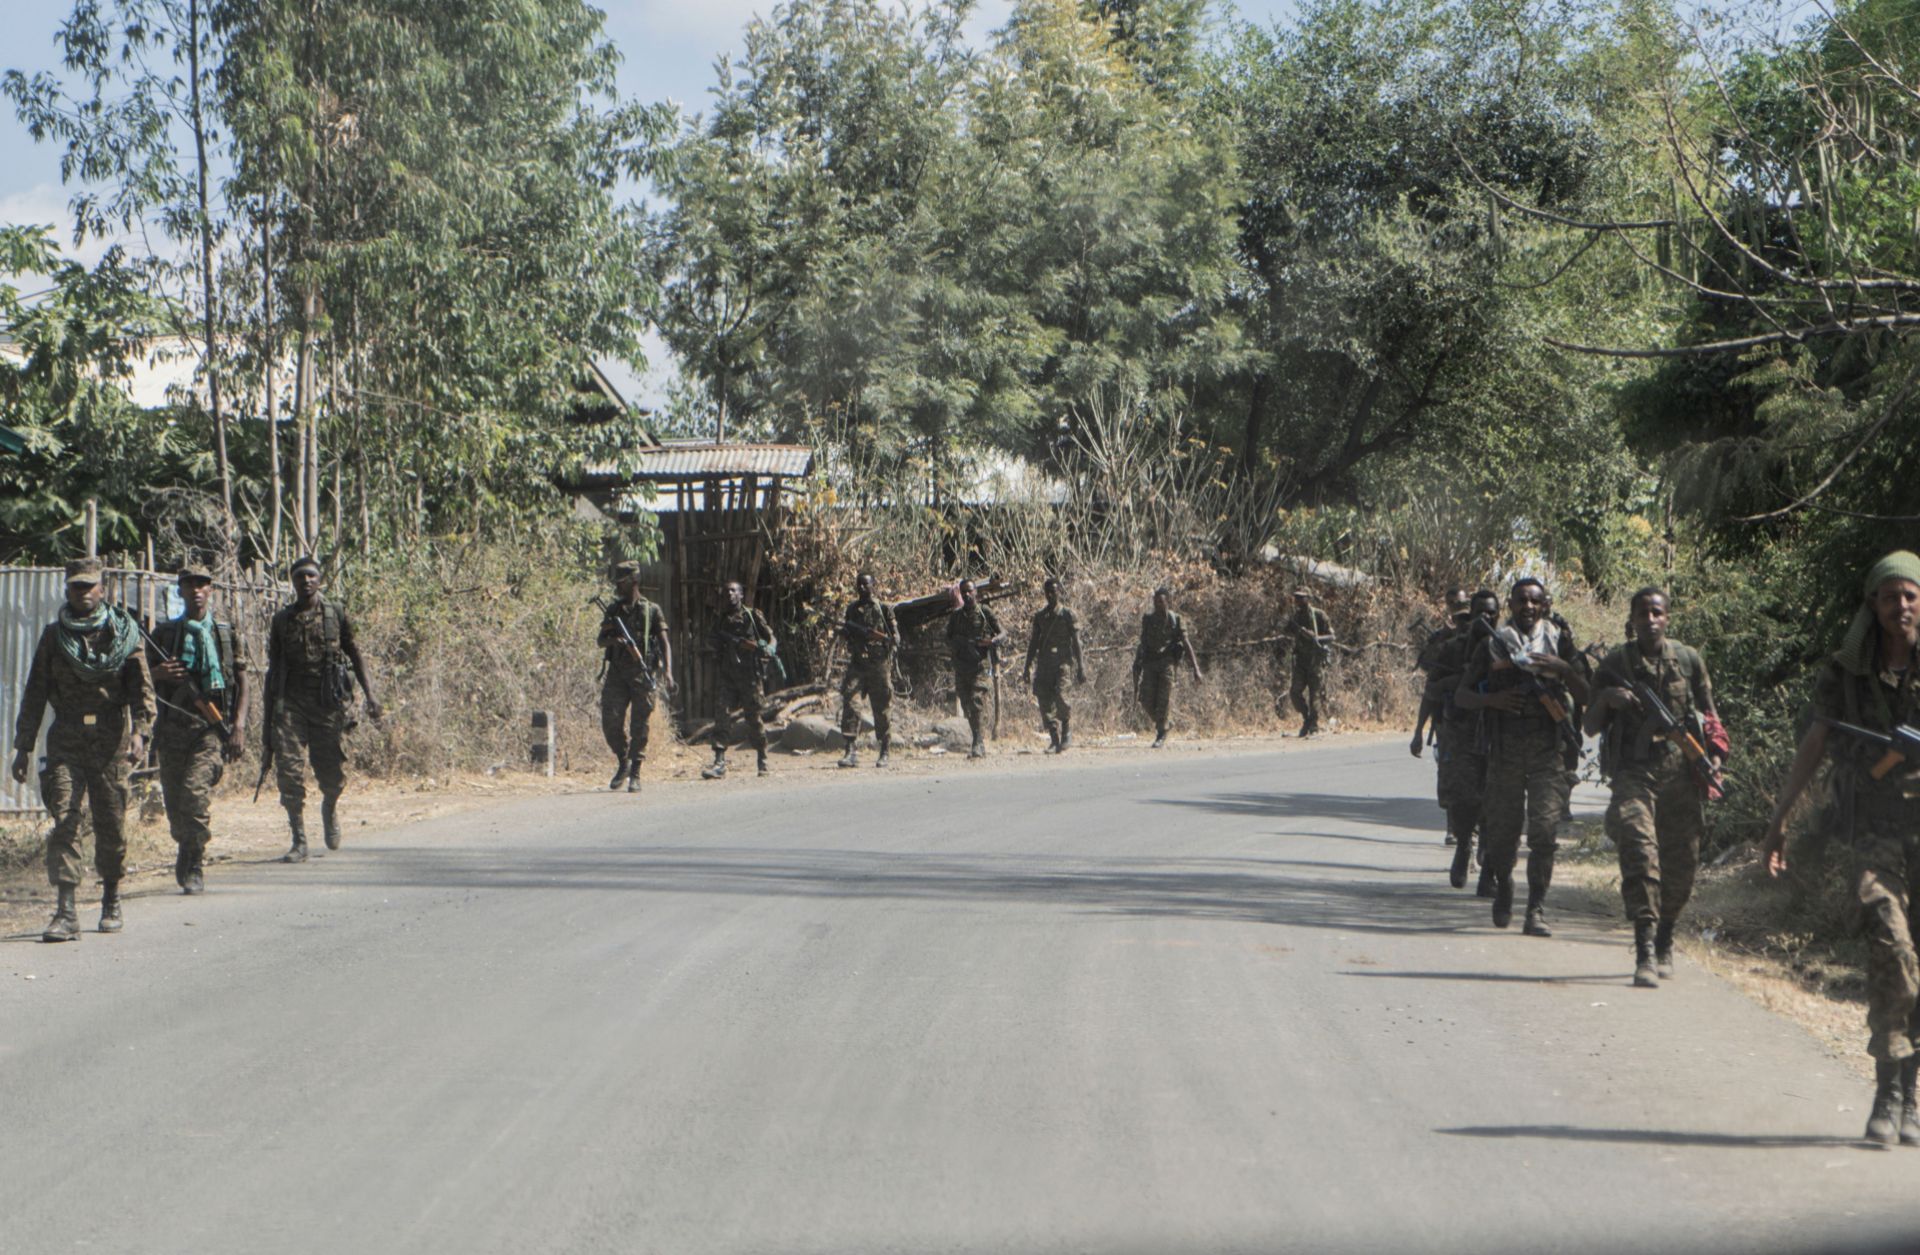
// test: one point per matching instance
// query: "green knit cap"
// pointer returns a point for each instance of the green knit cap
(1856, 647)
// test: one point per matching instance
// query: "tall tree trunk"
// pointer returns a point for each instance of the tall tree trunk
(270, 357)
(209, 292)
(307, 505)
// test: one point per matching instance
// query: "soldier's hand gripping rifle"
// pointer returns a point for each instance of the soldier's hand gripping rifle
(634, 651)
(1706, 773)
(198, 704)
(1901, 746)
(1535, 687)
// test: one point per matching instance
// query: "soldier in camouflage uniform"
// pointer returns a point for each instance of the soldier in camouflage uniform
(638, 662)
(1870, 683)
(196, 657)
(1461, 761)
(313, 663)
(973, 634)
(1433, 700)
(1163, 642)
(1657, 816)
(87, 665)
(1518, 675)
(741, 641)
(1311, 633)
(1054, 642)
(872, 636)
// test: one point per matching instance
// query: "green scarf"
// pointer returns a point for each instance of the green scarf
(1857, 651)
(200, 653)
(76, 640)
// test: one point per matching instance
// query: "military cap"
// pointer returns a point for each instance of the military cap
(302, 563)
(625, 571)
(1457, 600)
(1304, 594)
(195, 573)
(83, 571)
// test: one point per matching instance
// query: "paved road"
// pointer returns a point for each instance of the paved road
(1176, 1003)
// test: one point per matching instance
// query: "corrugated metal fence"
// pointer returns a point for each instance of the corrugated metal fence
(31, 596)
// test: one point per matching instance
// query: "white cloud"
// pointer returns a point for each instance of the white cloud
(46, 205)
(713, 22)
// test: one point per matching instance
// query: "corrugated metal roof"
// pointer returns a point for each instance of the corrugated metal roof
(697, 461)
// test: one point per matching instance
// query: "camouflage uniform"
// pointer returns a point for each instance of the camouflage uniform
(1657, 814)
(1885, 825)
(310, 686)
(189, 748)
(1053, 643)
(1307, 624)
(972, 676)
(736, 640)
(86, 752)
(870, 645)
(1462, 762)
(628, 689)
(1163, 643)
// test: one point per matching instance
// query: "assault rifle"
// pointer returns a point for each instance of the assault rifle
(266, 736)
(1706, 775)
(1549, 701)
(634, 651)
(1900, 745)
(198, 703)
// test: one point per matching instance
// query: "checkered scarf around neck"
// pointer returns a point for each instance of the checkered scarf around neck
(76, 640)
(1856, 654)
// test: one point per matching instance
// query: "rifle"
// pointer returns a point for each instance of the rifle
(993, 663)
(633, 648)
(266, 742)
(1705, 774)
(1900, 745)
(198, 703)
(1551, 703)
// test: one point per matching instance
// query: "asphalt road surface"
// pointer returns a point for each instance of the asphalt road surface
(1158, 1004)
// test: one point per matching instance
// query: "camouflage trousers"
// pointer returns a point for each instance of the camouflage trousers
(1886, 863)
(1049, 690)
(974, 686)
(741, 696)
(1156, 692)
(190, 770)
(86, 775)
(873, 677)
(626, 715)
(1461, 776)
(1307, 691)
(304, 734)
(1523, 791)
(1656, 820)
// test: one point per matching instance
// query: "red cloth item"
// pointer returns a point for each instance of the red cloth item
(1718, 743)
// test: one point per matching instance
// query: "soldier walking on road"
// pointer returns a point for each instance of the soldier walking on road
(1870, 686)
(1311, 632)
(1163, 642)
(639, 662)
(742, 641)
(1461, 759)
(1657, 815)
(88, 666)
(973, 636)
(1518, 675)
(200, 681)
(1053, 641)
(872, 636)
(313, 663)
(1433, 698)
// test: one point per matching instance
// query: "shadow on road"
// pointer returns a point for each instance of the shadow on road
(1660, 1137)
(1506, 978)
(1419, 814)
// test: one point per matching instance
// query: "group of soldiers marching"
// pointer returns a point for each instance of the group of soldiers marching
(1508, 705)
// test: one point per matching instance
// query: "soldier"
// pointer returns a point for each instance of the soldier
(1312, 635)
(872, 637)
(1462, 774)
(313, 663)
(973, 636)
(1869, 683)
(1656, 817)
(1518, 674)
(88, 665)
(741, 641)
(1163, 642)
(200, 678)
(1433, 699)
(1054, 639)
(639, 661)
(1570, 755)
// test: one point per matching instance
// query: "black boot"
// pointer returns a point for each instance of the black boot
(1883, 1125)
(633, 774)
(1159, 737)
(1502, 900)
(1536, 924)
(880, 759)
(1462, 859)
(297, 825)
(717, 769)
(620, 770)
(1066, 732)
(1663, 949)
(195, 882)
(848, 759)
(979, 748)
(760, 761)
(1484, 889)
(110, 921)
(65, 924)
(1644, 976)
(182, 861)
(1909, 1101)
(1053, 737)
(330, 822)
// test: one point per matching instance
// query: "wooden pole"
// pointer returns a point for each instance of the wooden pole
(93, 527)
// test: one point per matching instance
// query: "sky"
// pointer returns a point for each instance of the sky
(669, 47)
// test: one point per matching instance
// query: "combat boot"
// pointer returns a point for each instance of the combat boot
(1462, 859)
(1663, 949)
(1484, 889)
(849, 759)
(1644, 975)
(1883, 1125)
(760, 762)
(1503, 900)
(717, 769)
(1536, 923)
(195, 883)
(979, 749)
(620, 770)
(65, 924)
(1159, 738)
(1066, 733)
(297, 852)
(633, 777)
(1910, 1101)
(110, 921)
(330, 822)
(886, 743)
(182, 863)
(1053, 737)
